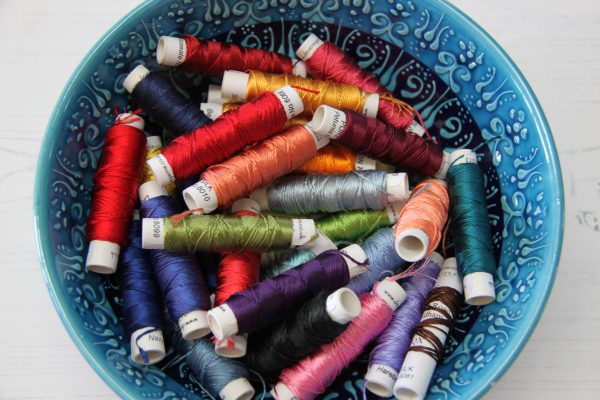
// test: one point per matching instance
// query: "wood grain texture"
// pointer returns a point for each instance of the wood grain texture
(554, 42)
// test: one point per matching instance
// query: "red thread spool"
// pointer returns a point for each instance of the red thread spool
(234, 130)
(114, 195)
(381, 141)
(237, 272)
(256, 167)
(326, 61)
(214, 58)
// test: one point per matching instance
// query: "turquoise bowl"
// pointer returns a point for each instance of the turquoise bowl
(466, 88)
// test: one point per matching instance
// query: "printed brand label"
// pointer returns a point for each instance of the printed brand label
(364, 163)
(303, 230)
(285, 96)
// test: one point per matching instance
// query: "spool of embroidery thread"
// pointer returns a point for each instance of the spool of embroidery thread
(142, 304)
(214, 111)
(471, 228)
(383, 261)
(267, 301)
(319, 321)
(381, 141)
(179, 276)
(336, 159)
(223, 378)
(430, 335)
(149, 188)
(158, 97)
(325, 61)
(116, 182)
(257, 166)
(209, 57)
(277, 262)
(241, 86)
(213, 143)
(220, 233)
(305, 194)
(309, 378)
(421, 221)
(237, 272)
(387, 356)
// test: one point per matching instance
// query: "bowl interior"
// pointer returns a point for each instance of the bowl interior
(468, 93)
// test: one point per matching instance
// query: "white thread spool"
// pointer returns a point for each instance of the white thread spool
(103, 256)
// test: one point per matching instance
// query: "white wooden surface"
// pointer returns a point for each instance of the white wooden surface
(557, 45)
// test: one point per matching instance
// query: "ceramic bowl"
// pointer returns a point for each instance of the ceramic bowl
(468, 92)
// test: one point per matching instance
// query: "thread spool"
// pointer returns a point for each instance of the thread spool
(383, 261)
(309, 378)
(149, 187)
(253, 168)
(470, 228)
(419, 228)
(275, 263)
(427, 345)
(305, 194)
(237, 272)
(223, 378)
(226, 233)
(116, 182)
(319, 321)
(381, 141)
(239, 86)
(336, 159)
(387, 356)
(215, 110)
(266, 301)
(142, 305)
(207, 57)
(252, 122)
(157, 96)
(325, 61)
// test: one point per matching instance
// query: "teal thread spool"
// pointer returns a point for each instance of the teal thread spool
(471, 228)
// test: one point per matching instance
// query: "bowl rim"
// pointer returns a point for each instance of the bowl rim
(42, 176)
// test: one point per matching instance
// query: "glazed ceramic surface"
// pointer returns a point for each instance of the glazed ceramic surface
(465, 87)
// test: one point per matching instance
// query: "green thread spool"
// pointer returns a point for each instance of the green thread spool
(226, 233)
(471, 228)
(355, 226)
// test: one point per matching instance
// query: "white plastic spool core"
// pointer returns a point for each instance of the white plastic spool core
(443, 170)
(463, 156)
(211, 110)
(412, 245)
(371, 106)
(245, 204)
(282, 392)
(393, 210)
(150, 190)
(153, 142)
(416, 129)
(415, 376)
(135, 121)
(479, 289)
(214, 95)
(201, 196)
(437, 258)
(238, 389)
(299, 68)
(171, 51)
(102, 257)
(194, 325)
(320, 140)
(356, 259)
(234, 85)
(153, 344)
(232, 347)
(398, 187)
(222, 322)
(328, 121)
(162, 171)
(343, 306)
(135, 76)
(153, 233)
(380, 380)
(261, 197)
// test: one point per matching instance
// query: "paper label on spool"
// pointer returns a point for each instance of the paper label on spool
(391, 292)
(211, 110)
(245, 204)
(443, 170)
(371, 106)
(329, 121)
(303, 231)
(150, 190)
(398, 187)
(214, 95)
(291, 101)
(309, 46)
(416, 129)
(171, 51)
(153, 142)
(364, 163)
(393, 210)
(153, 233)
(152, 343)
(135, 76)
(161, 169)
(463, 156)
(237, 389)
(194, 325)
(320, 140)
(382, 376)
(201, 197)
(415, 376)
